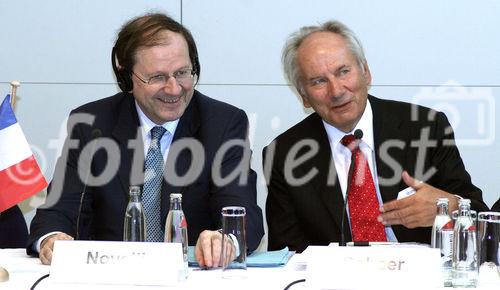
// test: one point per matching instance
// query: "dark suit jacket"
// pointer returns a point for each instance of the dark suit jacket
(311, 213)
(496, 206)
(13, 229)
(210, 122)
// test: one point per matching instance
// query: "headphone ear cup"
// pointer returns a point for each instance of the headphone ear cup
(122, 76)
(196, 65)
(124, 81)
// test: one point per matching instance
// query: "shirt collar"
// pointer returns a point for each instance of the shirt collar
(365, 124)
(147, 124)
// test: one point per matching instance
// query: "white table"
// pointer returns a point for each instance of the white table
(25, 270)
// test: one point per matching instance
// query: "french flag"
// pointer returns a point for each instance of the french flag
(20, 176)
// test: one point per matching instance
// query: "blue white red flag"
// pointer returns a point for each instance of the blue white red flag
(20, 175)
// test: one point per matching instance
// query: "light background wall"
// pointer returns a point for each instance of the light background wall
(443, 54)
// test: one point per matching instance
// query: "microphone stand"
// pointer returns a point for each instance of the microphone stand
(96, 133)
(344, 208)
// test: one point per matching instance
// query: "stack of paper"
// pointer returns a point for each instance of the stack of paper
(256, 259)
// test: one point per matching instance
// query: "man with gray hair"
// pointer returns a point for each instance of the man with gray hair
(359, 168)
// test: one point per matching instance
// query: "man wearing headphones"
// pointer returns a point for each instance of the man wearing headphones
(203, 144)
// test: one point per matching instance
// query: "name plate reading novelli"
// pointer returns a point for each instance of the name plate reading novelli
(130, 263)
(374, 267)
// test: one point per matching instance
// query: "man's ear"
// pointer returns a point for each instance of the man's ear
(303, 96)
(305, 100)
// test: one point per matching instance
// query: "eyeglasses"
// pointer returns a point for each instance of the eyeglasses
(183, 76)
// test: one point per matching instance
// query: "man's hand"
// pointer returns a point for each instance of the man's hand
(208, 249)
(47, 246)
(417, 210)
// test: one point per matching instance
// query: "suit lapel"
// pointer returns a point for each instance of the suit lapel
(126, 129)
(189, 124)
(326, 182)
(387, 128)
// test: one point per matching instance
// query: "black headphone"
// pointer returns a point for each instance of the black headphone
(124, 77)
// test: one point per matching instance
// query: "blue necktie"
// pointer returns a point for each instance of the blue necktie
(151, 195)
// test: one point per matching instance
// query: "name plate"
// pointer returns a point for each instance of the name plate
(131, 263)
(388, 267)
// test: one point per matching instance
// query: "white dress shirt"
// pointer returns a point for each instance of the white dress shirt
(147, 125)
(342, 155)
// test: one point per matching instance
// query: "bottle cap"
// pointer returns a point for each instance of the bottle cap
(134, 189)
(442, 200)
(464, 201)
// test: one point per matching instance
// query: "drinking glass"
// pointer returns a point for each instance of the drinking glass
(489, 244)
(234, 249)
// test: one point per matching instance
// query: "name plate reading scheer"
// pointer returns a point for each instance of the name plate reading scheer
(131, 263)
(375, 267)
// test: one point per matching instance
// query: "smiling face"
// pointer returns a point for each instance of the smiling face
(165, 102)
(332, 81)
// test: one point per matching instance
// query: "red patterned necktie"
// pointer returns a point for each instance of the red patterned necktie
(362, 198)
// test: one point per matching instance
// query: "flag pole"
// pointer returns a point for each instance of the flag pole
(13, 90)
(4, 274)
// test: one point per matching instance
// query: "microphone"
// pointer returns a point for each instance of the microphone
(358, 134)
(96, 133)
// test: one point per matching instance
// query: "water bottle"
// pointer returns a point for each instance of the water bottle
(133, 225)
(442, 238)
(464, 262)
(176, 227)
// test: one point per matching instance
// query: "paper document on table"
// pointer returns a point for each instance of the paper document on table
(256, 259)
(269, 259)
(406, 192)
